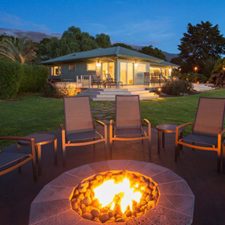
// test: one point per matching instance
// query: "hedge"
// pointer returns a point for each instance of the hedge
(10, 77)
(17, 78)
(33, 78)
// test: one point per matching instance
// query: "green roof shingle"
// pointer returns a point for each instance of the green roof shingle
(104, 52)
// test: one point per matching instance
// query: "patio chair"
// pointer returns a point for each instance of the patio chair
(10, 161)
(79, 128)
(207, 130)
(128, 124)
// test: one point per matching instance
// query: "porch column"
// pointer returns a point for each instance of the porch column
(117, 70)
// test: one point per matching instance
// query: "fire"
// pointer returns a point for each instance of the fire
(109, 192)
(114, 196)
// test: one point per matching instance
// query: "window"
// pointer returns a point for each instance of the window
(91, 67)
(71, 67)
(56, 71)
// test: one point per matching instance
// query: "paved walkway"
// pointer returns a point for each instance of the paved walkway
(198, 168)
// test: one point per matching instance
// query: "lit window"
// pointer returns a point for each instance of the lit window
(71, 67)
(91, 67)
(56, 71)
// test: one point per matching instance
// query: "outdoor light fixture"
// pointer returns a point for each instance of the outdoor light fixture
(196, 69)
(223, 68)
(98, 64)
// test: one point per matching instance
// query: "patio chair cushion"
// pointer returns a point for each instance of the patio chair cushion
(200, 140)
(8, 159)
(83, 136)
(129, 132)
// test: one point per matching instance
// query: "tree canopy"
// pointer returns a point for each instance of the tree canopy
(200, 47)
(150, 50)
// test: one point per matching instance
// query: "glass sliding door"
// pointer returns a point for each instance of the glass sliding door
(140, 69)
(108, 68)
(126, 73)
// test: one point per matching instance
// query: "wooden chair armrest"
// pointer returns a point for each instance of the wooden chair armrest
(104, 125)
(183, 125)
(179, 127)
(220, 137)
(17, 138)
(100, 123)
(147, 122)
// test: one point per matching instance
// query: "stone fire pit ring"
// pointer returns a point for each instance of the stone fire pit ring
(175, 206)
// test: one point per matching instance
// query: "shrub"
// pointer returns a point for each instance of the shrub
(34, 78)
(177, 87)
(192, 77)
(10, 77)
(50, 90)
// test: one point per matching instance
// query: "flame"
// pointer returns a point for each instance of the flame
(110, 193)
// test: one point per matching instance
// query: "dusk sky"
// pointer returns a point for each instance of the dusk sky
(159, 23)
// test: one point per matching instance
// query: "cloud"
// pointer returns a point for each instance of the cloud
(16, 22)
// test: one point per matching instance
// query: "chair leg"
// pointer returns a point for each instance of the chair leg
(64, 155)
(163, 140)
(38, 149)
(149, 150)
(55, 148)
(177, 152)
(106, 150)
(218, 164)
(35, 170)
(159, 137)
(110, 149)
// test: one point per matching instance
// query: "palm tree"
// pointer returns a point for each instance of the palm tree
(17, 49)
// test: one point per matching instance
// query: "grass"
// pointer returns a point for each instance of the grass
(34, 113)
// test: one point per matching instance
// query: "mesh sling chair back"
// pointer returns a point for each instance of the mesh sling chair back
(128, 124)
(79, 127)
(207, 130)
(12, 160)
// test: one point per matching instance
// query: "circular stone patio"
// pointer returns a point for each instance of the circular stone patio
(175, 206)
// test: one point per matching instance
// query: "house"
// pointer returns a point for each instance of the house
(126, 66)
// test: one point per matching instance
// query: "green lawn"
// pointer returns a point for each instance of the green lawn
(33, 113)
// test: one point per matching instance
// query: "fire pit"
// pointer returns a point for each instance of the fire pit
(114, 196)
(120, 192)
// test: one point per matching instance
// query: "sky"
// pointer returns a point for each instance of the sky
(159, 23)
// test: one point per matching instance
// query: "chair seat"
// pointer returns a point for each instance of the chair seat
(8, 159)
(200, 140)
(83, 136)
(129, 132)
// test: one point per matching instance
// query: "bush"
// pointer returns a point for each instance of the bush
(10, 77)
(192, 77)
(177, 87)
(34, 78)
(50, 90)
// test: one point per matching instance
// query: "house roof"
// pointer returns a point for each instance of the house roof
(104, 52)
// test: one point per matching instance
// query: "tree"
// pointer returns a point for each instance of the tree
(149, 50)
(123, 45)
(17, 49)
(49, 48)
(103, 40)
(200, 47)
(87, 42)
